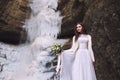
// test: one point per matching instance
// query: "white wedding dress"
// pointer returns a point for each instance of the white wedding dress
(76, 63)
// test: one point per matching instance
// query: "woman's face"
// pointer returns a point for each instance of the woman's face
(79, 28)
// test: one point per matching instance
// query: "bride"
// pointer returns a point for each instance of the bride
(76, 63)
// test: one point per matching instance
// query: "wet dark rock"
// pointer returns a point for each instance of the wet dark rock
(102, 20)
(48, 65)
(12, 17)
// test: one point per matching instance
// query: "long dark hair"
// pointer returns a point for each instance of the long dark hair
(84, 31)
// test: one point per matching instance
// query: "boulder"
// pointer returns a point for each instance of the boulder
(102, 20)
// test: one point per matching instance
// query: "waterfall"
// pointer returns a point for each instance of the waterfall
(34, 60)
(44, 21)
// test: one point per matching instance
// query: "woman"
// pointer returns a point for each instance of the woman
(82, 58)
(83, 68)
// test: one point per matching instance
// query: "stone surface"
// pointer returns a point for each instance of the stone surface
(12, 16)
(102, 20)
(72, 11)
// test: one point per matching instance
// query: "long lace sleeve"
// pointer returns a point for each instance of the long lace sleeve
(58, 64)
(74, 45)
(72, 50)
(90, 48)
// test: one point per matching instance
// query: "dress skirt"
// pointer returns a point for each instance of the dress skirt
(83, 68)
(67, 58)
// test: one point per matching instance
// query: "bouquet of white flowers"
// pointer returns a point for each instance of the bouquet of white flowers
(56, 49)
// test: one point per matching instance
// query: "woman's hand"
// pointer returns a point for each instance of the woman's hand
(57, 71)
(58, 64)
(93, 60)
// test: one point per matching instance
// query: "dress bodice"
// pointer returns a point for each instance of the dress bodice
(83, 41)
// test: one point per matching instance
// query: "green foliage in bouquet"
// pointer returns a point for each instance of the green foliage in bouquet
(56, 49)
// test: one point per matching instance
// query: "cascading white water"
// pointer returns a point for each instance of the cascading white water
(43, 28)
(44, 21)
(33, 61)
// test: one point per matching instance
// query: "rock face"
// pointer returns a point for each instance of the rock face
(72, 11)
(102, 20)
(12, 16)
